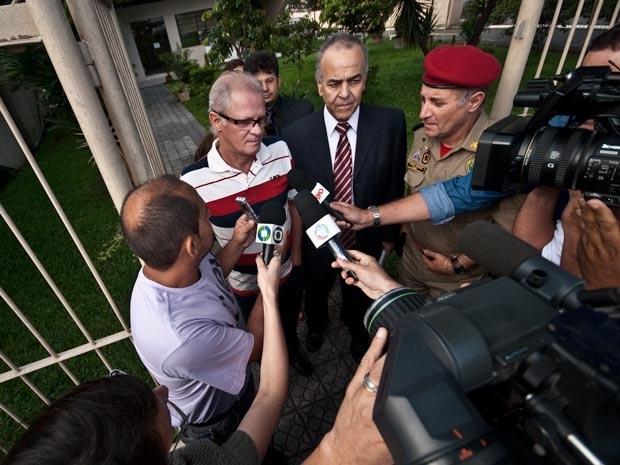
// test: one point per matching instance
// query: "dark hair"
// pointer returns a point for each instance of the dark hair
(230, 65)
(108, 421)
(264, 61)
(204, 145)
(610, 39)
(156, 218)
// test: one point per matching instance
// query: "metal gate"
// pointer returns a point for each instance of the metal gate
(100, 86)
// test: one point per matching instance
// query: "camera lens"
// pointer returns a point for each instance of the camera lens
(387, 309)
(570, 159)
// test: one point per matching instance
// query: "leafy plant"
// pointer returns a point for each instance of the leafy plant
(295, 40)
(201, 78)
(32, 69)
(357, 16)
(415, 21)
(238, 26)
(176, 87)
(179, 62)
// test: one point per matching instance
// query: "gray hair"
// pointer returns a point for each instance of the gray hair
(223, 87)
(467, 93)
(342, 39)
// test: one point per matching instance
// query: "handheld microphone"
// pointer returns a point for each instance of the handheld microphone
(269, 230)
(320, 227)
(300, 181)
(504, 254)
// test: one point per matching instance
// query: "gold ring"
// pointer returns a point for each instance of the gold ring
(369, 384)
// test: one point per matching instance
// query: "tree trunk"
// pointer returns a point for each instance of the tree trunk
(482, 21)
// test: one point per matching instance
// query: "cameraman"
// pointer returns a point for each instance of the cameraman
(591, 248)
(543, 220)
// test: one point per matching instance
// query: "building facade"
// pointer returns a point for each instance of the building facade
(149, 29)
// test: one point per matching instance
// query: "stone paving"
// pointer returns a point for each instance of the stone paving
(176, 130)
(313, 401)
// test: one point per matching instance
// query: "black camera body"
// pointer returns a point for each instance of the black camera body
(534, 151)
(497, 371)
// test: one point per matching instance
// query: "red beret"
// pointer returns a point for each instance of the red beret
(454, 66)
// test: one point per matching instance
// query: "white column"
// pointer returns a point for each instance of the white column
(516, 59)
(119, 90)
(51, 22)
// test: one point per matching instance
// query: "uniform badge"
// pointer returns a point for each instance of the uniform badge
(417, 155)
(469, 165)
(426, 156)
(412, 165)
(474, 145)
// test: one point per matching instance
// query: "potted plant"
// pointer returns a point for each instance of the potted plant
(167, 59)
(180, 89)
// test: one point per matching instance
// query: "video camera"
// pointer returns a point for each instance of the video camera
(521, 369)
(534, 151)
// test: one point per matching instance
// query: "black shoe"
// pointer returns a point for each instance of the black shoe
(358, 349)
(301, 365)
(314, 340)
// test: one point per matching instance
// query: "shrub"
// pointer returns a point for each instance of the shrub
(179, 63)
(201, 78)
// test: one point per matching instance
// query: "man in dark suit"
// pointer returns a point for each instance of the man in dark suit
(264, 67)
(378, 143)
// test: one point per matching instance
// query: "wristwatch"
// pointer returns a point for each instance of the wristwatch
(376, 216)
(456, 265)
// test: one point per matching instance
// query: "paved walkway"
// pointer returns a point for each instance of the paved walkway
(176, 130)
(313, 401)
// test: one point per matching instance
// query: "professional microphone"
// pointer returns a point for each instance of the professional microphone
(494, 248)
(320, 227)
(300, 181)
(269, 230)
(504, 254)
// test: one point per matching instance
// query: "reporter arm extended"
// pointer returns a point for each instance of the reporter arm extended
(262, 418)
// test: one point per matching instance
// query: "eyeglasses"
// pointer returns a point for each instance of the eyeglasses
(246, 123)
(173, 410)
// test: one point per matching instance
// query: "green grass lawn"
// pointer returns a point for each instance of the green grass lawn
(394, 81)
(81, 192)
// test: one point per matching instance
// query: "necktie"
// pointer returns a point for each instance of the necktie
(343, 178)
(270, 128)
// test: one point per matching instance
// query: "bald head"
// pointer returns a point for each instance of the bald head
(226, 84)
(157, 217)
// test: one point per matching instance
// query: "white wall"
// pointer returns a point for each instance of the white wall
(166, 10)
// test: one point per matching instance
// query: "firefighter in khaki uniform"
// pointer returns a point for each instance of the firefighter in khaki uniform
(454, 88)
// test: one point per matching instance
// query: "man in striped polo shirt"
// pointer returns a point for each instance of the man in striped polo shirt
(243, 163)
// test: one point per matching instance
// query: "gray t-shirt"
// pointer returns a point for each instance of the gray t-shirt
(191, 340)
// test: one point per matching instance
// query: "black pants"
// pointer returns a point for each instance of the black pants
(319, 280)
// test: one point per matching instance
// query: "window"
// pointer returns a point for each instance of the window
(192, 28)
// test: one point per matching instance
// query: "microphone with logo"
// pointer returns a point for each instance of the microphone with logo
(320, 227)
(269, 230)
(300, 181)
